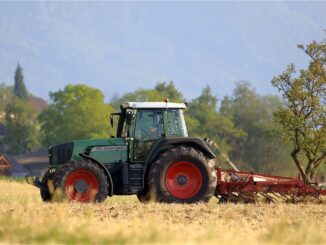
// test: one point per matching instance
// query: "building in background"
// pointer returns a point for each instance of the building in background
(25, 164)
(35, 161)
(10, 167)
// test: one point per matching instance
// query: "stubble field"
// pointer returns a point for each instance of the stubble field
(123, 220)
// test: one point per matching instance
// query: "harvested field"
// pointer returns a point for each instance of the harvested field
(25, 219)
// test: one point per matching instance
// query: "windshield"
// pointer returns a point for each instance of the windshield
(176, 123)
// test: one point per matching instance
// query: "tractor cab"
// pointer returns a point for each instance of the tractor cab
(143, 123)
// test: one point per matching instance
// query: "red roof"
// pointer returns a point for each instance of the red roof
(4, 163)
(38, 103)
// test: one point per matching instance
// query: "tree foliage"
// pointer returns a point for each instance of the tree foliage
(22, 134)
(77, 112)
(303, 116)
(168, 90)
(20, 90)
(161, 91)
(206, 121)
(6, 95)
(21, 128)
(261, 149)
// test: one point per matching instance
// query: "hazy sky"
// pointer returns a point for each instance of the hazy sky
(121, 46)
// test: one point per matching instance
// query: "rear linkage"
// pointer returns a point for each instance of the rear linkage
(248, 187)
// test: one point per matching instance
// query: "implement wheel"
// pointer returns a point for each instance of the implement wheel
(80, 181)
(183, 175)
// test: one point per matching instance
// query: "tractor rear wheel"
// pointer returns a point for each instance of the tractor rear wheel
(182, 174)
(80, 181)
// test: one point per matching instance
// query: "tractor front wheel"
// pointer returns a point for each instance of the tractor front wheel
(80, 181)
(144, 196)
(45, 192)
(182, 174)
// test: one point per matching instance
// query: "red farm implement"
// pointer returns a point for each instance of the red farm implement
(247, 187)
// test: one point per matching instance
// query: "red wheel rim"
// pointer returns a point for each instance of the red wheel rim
(183, 179)
(82, 186)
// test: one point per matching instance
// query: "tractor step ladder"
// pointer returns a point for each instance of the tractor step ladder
(135, 176)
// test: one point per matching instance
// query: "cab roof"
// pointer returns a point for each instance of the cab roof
(144, 105)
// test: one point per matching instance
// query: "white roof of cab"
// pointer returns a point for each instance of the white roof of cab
(154, 105)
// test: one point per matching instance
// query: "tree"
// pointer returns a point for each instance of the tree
(20, 90)
(139, 95)
(204, 120)
(303, 116)
(77, 112)
(161, 91)
(22, 133)
(203, 106)
(169, 91)
(261, 148)
(5, 98)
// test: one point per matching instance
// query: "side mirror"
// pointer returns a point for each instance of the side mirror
(112, 120)
(129, 117)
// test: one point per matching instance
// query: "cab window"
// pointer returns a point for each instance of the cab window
(149, 125)
(176, 123)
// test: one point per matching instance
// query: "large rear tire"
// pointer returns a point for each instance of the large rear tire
(80, 181)
(182, 175)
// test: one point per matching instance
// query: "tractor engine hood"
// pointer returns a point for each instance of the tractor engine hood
(62, 153)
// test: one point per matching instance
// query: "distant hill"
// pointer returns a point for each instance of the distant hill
(6, 94)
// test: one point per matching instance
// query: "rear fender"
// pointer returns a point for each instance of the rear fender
(166, 143)
(107, 173)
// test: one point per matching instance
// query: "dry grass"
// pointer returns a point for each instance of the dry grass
(25, 219)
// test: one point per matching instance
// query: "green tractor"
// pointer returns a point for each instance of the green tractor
(150, 156)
